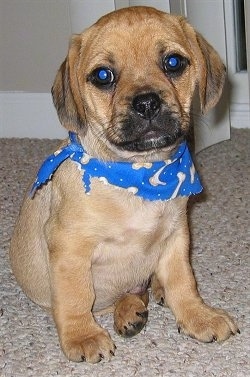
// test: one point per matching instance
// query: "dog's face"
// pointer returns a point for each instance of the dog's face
(127, 83)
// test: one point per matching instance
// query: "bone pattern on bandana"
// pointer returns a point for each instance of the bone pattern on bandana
(160, 180)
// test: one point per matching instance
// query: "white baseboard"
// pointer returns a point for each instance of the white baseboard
(240, 115)
(29, 115)
(33, 115)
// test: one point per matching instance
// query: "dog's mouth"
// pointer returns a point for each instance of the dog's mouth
(140, 136)
(149, 141)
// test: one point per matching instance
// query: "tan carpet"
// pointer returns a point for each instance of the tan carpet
(220, 233)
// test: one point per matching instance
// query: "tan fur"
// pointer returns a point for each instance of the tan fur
(76, 254)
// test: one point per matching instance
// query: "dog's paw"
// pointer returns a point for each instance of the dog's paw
(207, 324)
(130, 316)
(92, 348)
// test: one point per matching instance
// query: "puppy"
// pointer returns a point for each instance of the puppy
(106, 215)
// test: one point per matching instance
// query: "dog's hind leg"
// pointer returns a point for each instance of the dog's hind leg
(131, 314)
(157, 291)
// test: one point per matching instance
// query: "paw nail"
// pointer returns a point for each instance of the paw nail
(83, 358)
(112, 353)
(161, 302)
(179, 329)
(238, 331)
(132, 324)
(101, 355)
(143, 314)
(214, 339)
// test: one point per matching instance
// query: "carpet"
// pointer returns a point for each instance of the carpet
(219, 220)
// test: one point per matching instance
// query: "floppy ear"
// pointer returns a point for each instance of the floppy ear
(210, 69)
(211, 83)
(65, 92)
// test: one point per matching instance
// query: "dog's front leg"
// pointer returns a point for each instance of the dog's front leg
(73, 296)
(175, 284)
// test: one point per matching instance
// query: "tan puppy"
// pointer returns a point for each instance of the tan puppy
(125, 89)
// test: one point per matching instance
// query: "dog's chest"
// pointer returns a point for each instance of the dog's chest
(128, 254)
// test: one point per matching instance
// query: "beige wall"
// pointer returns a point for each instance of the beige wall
(34, 37)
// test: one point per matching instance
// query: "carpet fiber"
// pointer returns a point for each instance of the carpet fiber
(219, 220)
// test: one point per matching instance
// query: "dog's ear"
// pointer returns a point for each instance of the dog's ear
(210, 69)
(212, 78)
(65, 92)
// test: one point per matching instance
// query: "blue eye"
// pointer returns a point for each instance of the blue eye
(103, 74)
(174, 64)
(102, 77)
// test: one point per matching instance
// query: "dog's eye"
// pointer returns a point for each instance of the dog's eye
(174, 64)
(102, 77)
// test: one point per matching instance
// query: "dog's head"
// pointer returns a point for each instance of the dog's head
(127, 83)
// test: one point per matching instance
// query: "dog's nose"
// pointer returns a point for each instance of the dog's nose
(147, 105)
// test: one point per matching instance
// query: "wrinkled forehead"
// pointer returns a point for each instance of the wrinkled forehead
(134, 34)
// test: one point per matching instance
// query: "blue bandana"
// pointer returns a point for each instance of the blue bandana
(160, 180)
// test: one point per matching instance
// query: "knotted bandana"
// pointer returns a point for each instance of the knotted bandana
(160, 180)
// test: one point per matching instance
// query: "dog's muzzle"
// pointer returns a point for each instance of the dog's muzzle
(150, 124)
